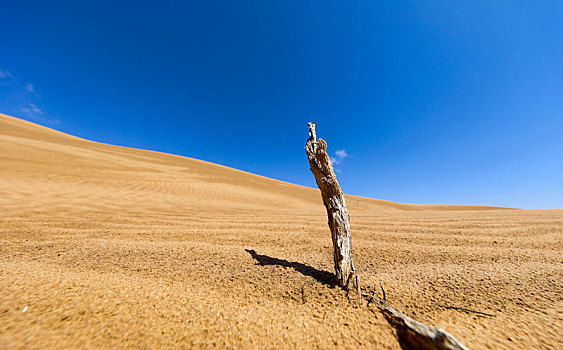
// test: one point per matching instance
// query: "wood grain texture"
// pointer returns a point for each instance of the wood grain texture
(335, 204)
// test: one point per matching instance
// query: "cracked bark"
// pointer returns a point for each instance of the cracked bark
(335, 204)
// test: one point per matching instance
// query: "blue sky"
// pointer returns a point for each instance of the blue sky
(419, 102)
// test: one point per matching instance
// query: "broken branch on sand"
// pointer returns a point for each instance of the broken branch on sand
(413, 334)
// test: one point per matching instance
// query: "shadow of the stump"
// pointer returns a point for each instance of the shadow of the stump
(324, 277)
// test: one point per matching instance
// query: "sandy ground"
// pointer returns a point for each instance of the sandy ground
(110, 247)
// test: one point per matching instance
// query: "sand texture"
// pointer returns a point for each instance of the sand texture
(112, 247)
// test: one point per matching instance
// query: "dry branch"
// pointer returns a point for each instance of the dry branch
(413, 334)
(335, 204)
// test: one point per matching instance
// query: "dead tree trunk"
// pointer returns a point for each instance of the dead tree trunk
(335, 204)
(411, 333)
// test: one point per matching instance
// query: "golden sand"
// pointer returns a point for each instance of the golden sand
(111, 247)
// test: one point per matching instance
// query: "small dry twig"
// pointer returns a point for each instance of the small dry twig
(358, 289)
(465, 309)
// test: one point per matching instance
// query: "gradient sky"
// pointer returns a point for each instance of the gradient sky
(419, 101)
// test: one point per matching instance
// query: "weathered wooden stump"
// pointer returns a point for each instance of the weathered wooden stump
(335, 204)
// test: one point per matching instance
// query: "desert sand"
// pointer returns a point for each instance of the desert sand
(111, 247)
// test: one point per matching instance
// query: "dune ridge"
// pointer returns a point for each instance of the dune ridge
(33, 148)
(111, 246)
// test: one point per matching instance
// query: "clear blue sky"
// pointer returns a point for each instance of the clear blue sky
(426, 101)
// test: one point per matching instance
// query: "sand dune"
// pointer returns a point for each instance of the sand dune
(110, 246)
